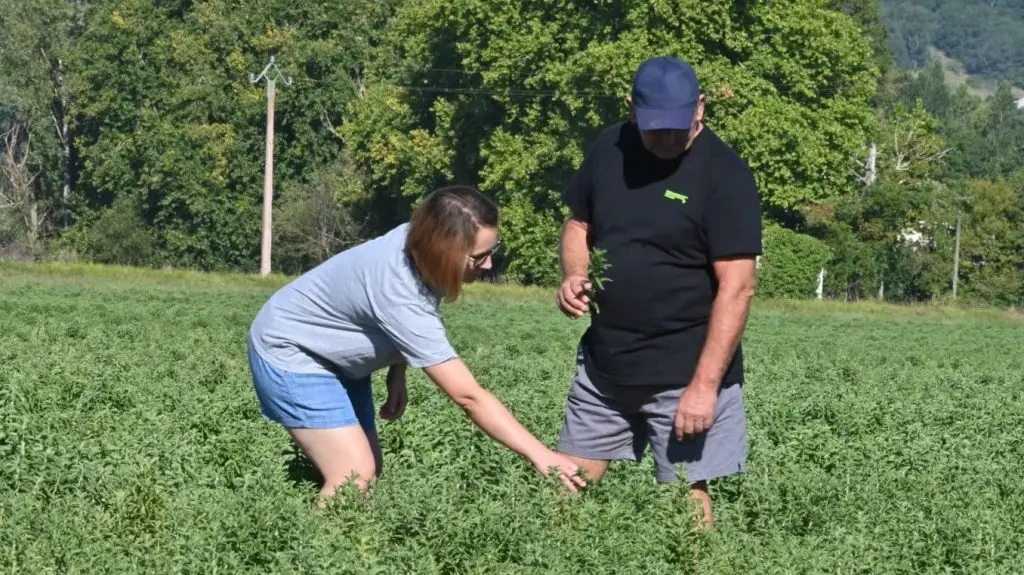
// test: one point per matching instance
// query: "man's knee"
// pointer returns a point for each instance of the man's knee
(593, 470)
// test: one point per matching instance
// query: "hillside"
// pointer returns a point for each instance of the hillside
(956, 76)
(986, 37)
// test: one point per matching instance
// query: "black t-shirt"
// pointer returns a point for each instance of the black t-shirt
(662, 223)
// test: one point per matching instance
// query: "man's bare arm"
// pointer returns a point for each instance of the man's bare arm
(572, 296)
(737, 279)
(575, 254)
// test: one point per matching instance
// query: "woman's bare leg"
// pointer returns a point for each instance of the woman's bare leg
(339, 453)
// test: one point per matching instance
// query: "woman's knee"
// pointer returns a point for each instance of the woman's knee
(363, 476)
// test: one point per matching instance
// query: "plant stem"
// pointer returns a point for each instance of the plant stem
(596, 274)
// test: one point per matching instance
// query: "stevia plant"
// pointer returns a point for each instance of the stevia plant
(867, 471)
(596, 270)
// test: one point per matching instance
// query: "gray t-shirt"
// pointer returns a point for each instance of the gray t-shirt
(360, 311)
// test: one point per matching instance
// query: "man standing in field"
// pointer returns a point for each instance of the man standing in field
(677, 213)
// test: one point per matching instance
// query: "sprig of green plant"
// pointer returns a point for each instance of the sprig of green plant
(596, 270)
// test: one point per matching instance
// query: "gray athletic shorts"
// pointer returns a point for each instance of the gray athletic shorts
(606, 422)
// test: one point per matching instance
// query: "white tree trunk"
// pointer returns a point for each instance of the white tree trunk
(17, 182)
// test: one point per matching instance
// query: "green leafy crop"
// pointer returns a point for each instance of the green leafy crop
(131, 442)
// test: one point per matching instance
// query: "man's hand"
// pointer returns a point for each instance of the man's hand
(696, 411)
(572, 297)
(398, 396)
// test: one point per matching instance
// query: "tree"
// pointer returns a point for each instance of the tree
(522, 89)
(888, 235)
(992, 243)
(22, 214)
(167, 116)
(312, 225)
(39, 38)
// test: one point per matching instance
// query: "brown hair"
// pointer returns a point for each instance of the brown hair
(442, 232)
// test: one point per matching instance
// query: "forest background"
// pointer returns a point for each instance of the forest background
(879, 133)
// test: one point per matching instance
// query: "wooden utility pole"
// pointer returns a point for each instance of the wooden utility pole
(268, 170)
(956, 256)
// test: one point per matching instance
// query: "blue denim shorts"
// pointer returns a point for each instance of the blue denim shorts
(311, 400)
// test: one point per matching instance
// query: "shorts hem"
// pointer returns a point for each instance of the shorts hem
(716, 472)
(289, 423)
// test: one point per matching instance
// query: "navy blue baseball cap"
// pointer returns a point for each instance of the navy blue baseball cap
(665, 94)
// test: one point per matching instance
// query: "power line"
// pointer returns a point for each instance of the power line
(502, 92)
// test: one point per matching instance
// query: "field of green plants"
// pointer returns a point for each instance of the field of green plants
(883, 440)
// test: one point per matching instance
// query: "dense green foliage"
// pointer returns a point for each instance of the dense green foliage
(788, 84)
(132, 133)
(947, 153)
(130, 442)
(790, 268)
(986, 36)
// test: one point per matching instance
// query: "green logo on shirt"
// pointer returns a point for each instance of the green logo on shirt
(674, 196)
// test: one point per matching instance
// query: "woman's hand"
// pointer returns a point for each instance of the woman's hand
(398, 396)
(566, 467)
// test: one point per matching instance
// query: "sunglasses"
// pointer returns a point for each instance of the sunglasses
(477, 259)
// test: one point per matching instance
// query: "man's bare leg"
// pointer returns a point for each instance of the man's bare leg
(593, 469)
(699, 492)
(704, 517)
(596, 468)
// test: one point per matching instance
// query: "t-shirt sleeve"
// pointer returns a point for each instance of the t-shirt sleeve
(413, 325)
(577, 193)
(732, 218)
